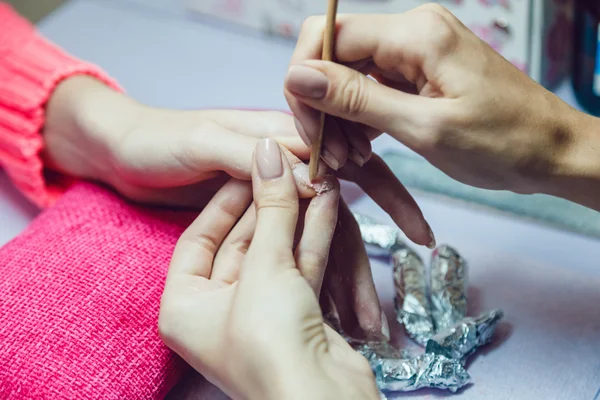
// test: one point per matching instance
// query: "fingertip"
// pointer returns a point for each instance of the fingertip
(355, 156)
(335, 145)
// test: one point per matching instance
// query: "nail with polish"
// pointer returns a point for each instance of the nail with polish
(268, 159)
(385, 326)
(432, 243)
(330, 159)
(306, 81)
(355, 156)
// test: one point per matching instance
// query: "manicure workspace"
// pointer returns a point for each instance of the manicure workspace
(527, 267)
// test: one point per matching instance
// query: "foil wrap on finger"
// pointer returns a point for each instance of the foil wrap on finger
(448, 285)
(465, 337)
(412, 304)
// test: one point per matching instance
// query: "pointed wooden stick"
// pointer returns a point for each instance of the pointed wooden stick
(327, 55)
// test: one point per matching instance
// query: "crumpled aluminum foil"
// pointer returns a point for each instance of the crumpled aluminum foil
(461, 340)
(398, 371)
(432, 308)
(412, 303)
(448, 285)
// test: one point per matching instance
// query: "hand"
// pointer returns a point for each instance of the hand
(173, 157)
(263, 337)
(441, 91)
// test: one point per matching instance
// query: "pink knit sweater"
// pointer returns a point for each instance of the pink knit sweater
(80, 288)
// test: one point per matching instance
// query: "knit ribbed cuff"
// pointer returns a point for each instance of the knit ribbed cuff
(30, 70)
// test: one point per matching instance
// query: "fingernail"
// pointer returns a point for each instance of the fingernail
(307, 81)
(302, 132)
(268, 159)
(432, 243)
(301, 174)
(330, 159)
(385, 326)
(355, 156)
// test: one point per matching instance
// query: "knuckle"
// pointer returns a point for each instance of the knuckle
(275, 200)
(241, 245)
(313, 23)
(434, 8)
(202, 240)
(353, 95)
(438, 28)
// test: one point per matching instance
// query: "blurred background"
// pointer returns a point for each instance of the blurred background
(556, 42)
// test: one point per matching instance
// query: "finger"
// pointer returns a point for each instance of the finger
(348, 94)
(380, 183)
(232, 154)
(197, 246)
(263, 124)
(232, 252)
(276, 201)
(361, 315)
(337, 305)
(312, 252)
(358, 140)
(259, 124)
(389, 40)
(335, 146)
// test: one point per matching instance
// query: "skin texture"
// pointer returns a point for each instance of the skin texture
(446, 94)
(263, 336)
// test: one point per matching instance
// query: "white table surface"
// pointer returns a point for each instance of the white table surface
(546, 280)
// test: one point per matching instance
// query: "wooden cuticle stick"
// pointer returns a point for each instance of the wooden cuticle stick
(327, 55)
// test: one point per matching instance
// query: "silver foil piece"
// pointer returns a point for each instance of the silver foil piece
(432, 308)
(412, 303)
(424, 371)
(448, 285)
(384, 239)
(397, 371)
(461, 340)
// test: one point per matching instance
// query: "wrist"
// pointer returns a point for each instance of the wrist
(576, 176)
(84, 121)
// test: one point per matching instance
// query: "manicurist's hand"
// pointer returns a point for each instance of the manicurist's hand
(446, 94)
(262, 336)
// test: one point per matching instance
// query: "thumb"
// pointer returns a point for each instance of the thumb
(346, 93)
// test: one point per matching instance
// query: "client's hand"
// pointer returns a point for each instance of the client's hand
(262, 337)
(168, 157)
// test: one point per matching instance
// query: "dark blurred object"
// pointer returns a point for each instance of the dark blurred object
(586, 55)
(34, 10)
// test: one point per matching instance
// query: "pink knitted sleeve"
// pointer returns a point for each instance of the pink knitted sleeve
(30, 69)
(79, 299)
